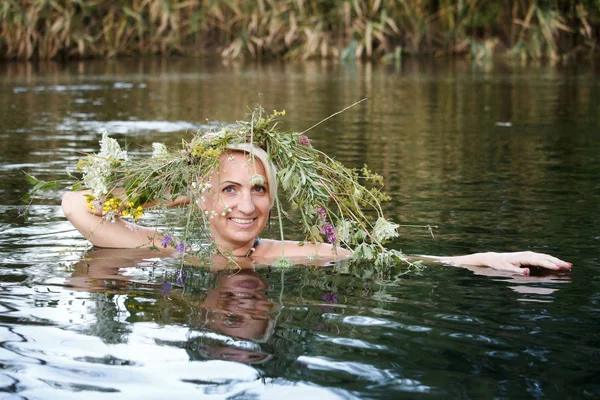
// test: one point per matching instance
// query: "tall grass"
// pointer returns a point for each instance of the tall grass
(297, 29)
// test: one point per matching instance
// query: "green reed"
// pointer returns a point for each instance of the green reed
(297, 29)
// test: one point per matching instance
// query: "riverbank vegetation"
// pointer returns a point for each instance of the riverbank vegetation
(299, 29)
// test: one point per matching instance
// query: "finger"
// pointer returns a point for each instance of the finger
(546, 264)
(557, 262)
(549, 262)
(560, 263)
(506, 266)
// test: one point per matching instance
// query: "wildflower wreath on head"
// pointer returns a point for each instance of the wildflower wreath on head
(330, 202)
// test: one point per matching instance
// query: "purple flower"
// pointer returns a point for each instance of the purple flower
(180, 276)
(322, 213)
(330, 297)
(180, 247)
(166, 288)
(166, 241)
(304, 140)
(20, 211)
(329, 232)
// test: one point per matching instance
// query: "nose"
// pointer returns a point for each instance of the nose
(246, 203)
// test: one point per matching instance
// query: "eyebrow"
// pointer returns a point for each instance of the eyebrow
(239, 184)
(230, 182)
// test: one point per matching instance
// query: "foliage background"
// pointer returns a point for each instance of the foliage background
(298, 29)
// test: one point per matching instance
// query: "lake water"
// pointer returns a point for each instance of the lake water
(499, 157)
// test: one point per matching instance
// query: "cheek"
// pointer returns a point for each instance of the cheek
(265, 204)
(208, 202)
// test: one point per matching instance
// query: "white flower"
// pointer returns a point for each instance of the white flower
(384, 230)
(159, 150)
(109, 148)
(257, 180)
(204, 187)
(343, 230)
(95, 173)
(97, 168)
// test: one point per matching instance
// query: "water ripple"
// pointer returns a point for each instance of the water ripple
(362, 370)
(365, 371)
(365, 321)
(71, 88)
(350, 342)
(129, 127)
(457, 318)
(473, 337)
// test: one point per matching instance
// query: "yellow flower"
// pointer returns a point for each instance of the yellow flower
(136, 213)
(197, 150)
(212, 153)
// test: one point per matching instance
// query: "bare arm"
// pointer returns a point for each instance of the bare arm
(119, 234)
(511, 262)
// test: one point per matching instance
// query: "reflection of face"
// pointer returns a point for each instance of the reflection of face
(249, 204)
(233, 354)
(238, 306)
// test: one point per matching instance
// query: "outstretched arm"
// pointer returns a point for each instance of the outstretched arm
(511, 262)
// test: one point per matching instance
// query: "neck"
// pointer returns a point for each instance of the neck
(245, 250)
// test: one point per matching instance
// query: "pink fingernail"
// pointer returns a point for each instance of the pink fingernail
(526, 272)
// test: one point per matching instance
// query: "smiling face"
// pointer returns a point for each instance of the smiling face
(238, 306)
(241, 208)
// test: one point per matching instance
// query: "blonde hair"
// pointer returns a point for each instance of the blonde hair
(263, 157)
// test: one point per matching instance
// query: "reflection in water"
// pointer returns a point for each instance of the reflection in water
(228, 310)
(526, 284)
(237, 307)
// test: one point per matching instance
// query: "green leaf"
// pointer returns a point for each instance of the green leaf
(32, 179)
(315, 233)
(49, 185)
(36, 187)
(283, 263)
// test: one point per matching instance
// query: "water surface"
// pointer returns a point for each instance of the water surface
(499, 157)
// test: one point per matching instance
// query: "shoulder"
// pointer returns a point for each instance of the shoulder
(270, 248)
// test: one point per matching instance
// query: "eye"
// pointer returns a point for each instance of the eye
(259, 189)
(229, 189)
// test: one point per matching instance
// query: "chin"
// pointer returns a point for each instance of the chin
(247, 237)
(239, 238)
(230, 233)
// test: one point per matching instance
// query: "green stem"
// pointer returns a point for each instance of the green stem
(280, 226)
(187, 225)
(281, 290)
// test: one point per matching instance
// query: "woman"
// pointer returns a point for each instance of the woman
(240, 205)
(240, 212)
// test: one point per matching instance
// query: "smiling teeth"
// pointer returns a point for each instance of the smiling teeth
(242, 221)
(243, 295)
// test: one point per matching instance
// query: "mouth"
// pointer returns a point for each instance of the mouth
(243, 221)
(241, 295)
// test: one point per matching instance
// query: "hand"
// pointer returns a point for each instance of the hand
(511, 262)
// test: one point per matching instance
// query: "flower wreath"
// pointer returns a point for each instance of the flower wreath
(330, 202)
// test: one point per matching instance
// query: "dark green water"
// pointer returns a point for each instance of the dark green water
(499, 157)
